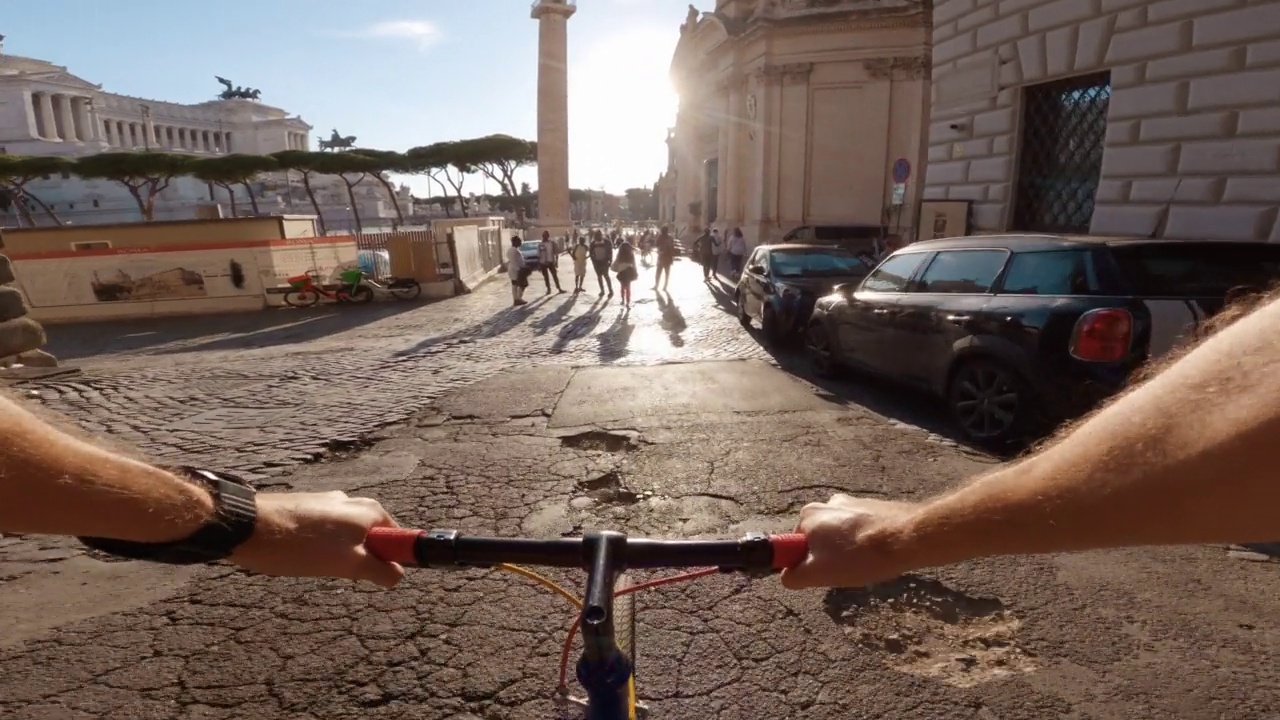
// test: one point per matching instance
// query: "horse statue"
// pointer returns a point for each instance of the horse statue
(236, 92)
(337, 142)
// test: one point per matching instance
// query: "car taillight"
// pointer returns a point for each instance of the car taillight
(1102, 335)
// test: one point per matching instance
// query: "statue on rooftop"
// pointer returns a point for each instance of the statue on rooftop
(237, 92)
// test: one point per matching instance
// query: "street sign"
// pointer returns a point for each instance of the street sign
(901, 170)
(899, 193)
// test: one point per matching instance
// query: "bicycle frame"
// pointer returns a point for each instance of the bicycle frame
(343, 291)
(604, 671)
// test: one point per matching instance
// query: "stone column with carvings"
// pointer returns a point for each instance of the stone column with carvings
(553, 114)
(47, 117)
(32, 107)
(20, 337)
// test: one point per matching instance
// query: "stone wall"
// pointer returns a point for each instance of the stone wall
(1193, 138)
(20, 337)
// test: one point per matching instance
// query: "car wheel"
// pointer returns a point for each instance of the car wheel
(770, 325)
(989, 401)
(818, 347)
(743, 317)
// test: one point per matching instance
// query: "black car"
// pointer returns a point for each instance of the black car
(1018, 330)
(781, 283)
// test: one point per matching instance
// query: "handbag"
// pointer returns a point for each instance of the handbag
(619, 265)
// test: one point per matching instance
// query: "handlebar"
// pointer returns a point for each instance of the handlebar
(756, 552)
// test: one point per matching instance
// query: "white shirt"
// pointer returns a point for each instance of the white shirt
(515, 263)
(547, 252)
(737, 245)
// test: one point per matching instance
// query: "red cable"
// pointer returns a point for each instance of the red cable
(573, 629)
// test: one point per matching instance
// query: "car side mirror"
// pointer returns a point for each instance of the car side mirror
(756, 269)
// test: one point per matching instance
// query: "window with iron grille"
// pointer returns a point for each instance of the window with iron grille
(1064, 124)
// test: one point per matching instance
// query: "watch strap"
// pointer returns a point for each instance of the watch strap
(233, 522)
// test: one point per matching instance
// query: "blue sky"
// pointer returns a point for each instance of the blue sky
(395, 73)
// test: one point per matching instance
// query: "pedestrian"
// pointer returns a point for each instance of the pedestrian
(625, 266)
(717, 250)
(666, 258)
(601, 259)
(548, 262)
(737, 252)
(580, 254)
(704, 251)
(517, 271)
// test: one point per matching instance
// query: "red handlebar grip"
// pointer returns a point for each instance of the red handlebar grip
(393, 544)
(789, 550)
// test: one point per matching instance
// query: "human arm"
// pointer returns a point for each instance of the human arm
(1188, 457)
(54, 484)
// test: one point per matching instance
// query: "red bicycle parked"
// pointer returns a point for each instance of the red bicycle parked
(607, 612)
(307, 291)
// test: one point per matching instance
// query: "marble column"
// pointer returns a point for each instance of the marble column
(47, 117)
(32, 107)
(553, 114)
(67, 117)
(80, 117)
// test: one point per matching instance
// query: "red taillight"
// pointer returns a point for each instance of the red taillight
(1102, 335)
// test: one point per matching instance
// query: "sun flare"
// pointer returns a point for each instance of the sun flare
(621, 103)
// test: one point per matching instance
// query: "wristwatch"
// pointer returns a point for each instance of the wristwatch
(235, 513)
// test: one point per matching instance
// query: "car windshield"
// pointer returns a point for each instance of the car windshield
(1192, 269)
(817, 263)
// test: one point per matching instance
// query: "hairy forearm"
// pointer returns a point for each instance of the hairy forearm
(52, 483)
(1189, 457)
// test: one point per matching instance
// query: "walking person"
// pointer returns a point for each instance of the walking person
(601, 259)
(666, 258)
(548, 262)
(704, 250)
(517, 271)
(580, 253)
(737, 252)
(625, 266)
(717, 251)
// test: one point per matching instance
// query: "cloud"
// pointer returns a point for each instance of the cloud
(421, 32)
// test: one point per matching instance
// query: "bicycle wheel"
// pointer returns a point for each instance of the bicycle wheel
(408, 292)
(301, 298)
(624, 633)
(362, 294)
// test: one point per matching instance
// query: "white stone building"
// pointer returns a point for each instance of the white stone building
(46, 110)
(1136, 117)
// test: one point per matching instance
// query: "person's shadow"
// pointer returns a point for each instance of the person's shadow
(672, 319)
(613, 342)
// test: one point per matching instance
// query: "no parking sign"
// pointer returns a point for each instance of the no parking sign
(901, 170)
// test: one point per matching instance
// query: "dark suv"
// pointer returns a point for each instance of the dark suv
(1017, 330)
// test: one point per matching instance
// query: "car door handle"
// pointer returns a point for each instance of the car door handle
(958, 319)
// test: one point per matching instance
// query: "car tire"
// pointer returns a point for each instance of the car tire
(820, 352)
(990, 401)
(743, 317)
(770, 326)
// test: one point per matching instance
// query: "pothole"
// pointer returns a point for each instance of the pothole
(925, 628)
(601, 440)
(608, 489)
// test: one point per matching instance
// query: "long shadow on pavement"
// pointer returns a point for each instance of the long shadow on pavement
(580, 326)
(501, 322)
(896, 402)
(229, 331)
(616, 338)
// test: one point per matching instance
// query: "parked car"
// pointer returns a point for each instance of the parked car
(1018, 330)
(781, 283)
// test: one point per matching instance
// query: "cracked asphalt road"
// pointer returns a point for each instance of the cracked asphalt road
(471, 441)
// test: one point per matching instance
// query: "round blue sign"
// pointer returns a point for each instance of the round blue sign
(901, 170)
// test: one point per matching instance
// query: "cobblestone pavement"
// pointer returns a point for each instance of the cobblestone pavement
(300, 383)
(1176, 633)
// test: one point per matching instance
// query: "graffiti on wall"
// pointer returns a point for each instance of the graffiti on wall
(176, 283)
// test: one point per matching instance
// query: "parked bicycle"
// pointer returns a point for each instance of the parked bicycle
(398, 288)
(307, 289)
(607, 611)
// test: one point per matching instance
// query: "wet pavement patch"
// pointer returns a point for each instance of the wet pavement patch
(924, 628)
(601, 440)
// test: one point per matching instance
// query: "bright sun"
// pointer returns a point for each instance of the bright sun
(621, 103)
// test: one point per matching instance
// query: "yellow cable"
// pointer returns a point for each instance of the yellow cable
(544, 581)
